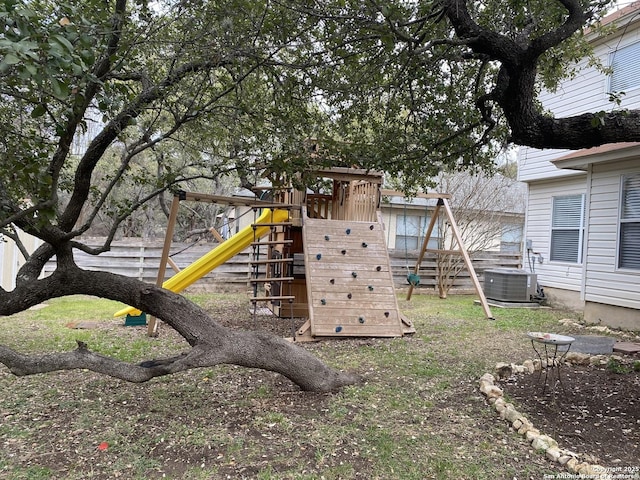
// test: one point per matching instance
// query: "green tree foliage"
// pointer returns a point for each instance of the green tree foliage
(402, 106)
(108, 105)
(412, 88)
(120, 79)
(415, 88)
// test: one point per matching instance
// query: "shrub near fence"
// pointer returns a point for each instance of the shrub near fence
(141, 260)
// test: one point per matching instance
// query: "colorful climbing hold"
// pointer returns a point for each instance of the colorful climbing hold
(378, 268)
(319, 256)
(364, 245)
(332, 281)
(371, 227)
(354, 274)
(361, 319)
(386, 314)
(370, 288)
(338, 329)
(326, 237)
(344, 252)
(349, 296)
(348, 231)
(323, 301)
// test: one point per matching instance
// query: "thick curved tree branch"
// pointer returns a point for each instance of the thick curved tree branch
(248, 349)
(82, 358)
(212, 344)
(580, 131)
(576, 20)
(515, 88)
(481, 40)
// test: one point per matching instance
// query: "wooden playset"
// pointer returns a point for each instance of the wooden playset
(322, 257)
(329, 262)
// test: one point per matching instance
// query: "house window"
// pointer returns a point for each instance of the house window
(511, 238)
(629, 240)
(625, 66)
(567, 227)
(410, 232)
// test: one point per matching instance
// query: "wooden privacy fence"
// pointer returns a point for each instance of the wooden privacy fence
(141, 260)
(403, 263)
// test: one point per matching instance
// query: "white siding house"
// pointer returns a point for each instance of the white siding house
(489, 212)
(582, 226)
(11, 258)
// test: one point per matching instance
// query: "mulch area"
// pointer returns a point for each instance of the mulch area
(593, 411)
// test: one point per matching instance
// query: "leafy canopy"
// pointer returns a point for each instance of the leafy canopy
(188, 90)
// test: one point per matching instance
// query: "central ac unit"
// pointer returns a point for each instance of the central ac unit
(510, 285)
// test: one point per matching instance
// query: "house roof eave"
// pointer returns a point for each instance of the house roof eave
(622, 18)
(610, 152)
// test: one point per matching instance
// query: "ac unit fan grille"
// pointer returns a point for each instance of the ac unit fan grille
(509, 285)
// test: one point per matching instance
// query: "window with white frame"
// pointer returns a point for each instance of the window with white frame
(625, 68)
(511, 238)
(629, 236)
(567, 228)
(410, 232)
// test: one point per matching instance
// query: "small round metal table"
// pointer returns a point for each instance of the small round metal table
(550, 343)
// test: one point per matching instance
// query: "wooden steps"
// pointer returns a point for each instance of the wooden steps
(273, 286)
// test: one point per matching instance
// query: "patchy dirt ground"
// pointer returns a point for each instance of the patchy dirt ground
(594, 410)
(418, 414)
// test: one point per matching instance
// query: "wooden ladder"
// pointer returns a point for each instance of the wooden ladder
(271, 269)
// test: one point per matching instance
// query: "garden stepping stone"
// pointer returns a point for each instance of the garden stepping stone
(591, 344)
(628, 348)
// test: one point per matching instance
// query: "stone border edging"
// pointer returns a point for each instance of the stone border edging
(540, 442)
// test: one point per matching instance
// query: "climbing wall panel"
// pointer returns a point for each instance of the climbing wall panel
(349, 280)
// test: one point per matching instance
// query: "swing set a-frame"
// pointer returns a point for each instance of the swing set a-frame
(442, 206)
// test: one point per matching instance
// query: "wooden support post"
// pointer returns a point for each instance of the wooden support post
(467, 260)
(349, 214)
(173, 265)
(442, 202)
(216, 235)
(152, 326)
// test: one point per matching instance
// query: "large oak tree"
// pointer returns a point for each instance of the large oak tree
(420, 87)
(121, 78)
(412, 88)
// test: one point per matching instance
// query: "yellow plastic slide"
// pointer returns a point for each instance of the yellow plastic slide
(217, 256)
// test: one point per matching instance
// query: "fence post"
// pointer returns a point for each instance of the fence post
(141, 264)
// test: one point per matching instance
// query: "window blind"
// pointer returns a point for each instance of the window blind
(625, 64)
(629, 241)
(566, 228)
